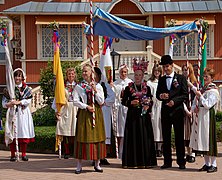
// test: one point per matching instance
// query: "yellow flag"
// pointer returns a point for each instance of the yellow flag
(59, 88)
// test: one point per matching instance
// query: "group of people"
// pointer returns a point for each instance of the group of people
(140, 114)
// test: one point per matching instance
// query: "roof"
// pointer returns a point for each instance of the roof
(83, 7)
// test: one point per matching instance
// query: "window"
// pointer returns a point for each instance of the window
(179, 48)
(2, 1)
(71, 40)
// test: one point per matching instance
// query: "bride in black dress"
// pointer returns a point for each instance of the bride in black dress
(138, 148)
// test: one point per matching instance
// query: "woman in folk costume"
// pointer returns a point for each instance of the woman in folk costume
(203, 135)
(90, 139)
(66, 119)
(23, 117)
(120, 111)
(156, 109)
(188, 72)
(109, 100)
(138, 148)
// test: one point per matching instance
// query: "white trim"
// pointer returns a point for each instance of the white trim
(39, 41)
(150, 24)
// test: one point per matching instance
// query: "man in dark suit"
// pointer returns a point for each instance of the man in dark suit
(172, 91)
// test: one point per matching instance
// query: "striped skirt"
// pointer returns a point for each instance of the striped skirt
(90, 151)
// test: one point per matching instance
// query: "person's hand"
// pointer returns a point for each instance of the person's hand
(9, 104)
(164, 96)
(92, 84)
(188, 113)
(58, 116)
(198, 94)
(90, 108)
(16, 102)
(146, 107)
(111, 83)
(170, 104)
(135, 102)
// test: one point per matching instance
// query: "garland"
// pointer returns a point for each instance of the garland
(3, 27)
(55, 27)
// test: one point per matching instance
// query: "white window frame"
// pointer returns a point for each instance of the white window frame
(39, 45)
(183, 56)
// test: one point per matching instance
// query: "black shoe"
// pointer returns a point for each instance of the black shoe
(159, 153)
(93, 163)
(78, 171)
(13, 159)
(25, 158)
(191, 159)
(205, 168)
(182, 167)
(187, 157)
(165, 166)
(212, 169)
(98, 170)
(104, 162)
(66, 156)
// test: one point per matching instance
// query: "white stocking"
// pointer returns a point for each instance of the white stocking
(97, 164)
(121, 147)
(213, 161)
(207, 160)
(79, 164)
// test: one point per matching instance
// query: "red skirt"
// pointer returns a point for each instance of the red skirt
(90, 151)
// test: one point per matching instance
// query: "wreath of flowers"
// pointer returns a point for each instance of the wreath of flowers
(3, 27)
(171, 23)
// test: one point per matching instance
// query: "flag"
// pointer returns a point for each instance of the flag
(204, 58)
(172, 38)
(10, 83)
(106, 65)
(59, 87)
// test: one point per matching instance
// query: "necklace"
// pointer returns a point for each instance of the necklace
(136, 87)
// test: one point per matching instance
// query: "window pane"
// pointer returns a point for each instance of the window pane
(47, 45)
(177, 47)
(76, 41)
(63, 38)
(191, 40)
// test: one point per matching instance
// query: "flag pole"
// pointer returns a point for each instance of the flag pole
(91, 54)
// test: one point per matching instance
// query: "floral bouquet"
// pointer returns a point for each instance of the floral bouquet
(145, 101)
(108, 72)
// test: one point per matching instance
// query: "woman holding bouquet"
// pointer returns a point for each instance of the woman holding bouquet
(138, 148)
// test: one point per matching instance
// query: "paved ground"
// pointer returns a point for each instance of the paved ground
(48, 166)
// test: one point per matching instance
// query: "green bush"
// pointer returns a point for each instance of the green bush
(219, 116)
(47, 78)
(44, 117)
(44, 140)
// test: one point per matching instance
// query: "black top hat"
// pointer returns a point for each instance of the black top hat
(166, 59)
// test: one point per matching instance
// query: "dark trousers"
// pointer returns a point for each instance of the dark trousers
(178, 124)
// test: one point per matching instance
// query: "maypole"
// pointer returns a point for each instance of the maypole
(200, 32)
(91, 54)
(11, 126)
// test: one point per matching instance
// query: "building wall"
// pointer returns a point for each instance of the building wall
(11, 3)
(30, 37)
(158, 45)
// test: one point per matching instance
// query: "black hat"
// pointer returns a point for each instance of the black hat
(166, 59)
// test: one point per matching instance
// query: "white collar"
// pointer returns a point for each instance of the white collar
(19, 85)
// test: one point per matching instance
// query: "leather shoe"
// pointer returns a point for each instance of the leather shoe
(104, 162)
(25, 158)
(204, 168)
(98, 170)
(165, 166)
(13, 159)
(182, 167)
(212, 169)
(78, 171)
(66, 156)
(191, 159)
